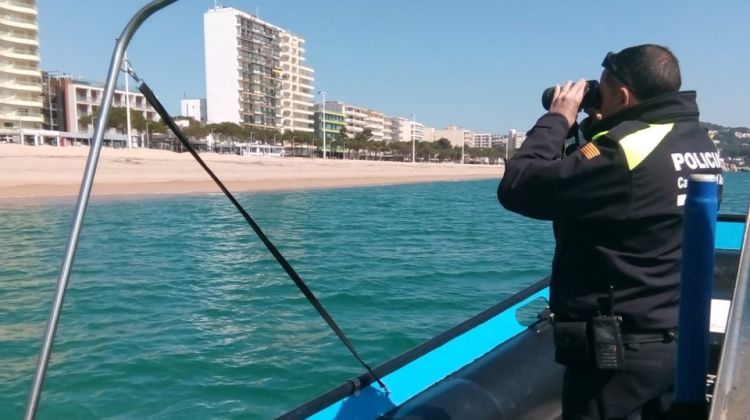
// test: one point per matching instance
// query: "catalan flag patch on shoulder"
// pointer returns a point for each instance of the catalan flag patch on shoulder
(590, 151)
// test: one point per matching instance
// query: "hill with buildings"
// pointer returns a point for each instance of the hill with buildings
(733, 143)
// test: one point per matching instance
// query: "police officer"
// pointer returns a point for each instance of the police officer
(616, 203)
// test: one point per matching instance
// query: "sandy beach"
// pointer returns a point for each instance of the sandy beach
(44, 172)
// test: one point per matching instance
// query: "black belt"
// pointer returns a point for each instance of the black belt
(666, 336)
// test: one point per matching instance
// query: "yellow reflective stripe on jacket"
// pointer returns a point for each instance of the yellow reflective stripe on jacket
(597, 135)
(638, 145)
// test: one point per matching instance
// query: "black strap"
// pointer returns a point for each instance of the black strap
(267, 242)
(666, 336)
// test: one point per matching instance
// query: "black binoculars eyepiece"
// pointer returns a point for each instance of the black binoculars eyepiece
(591, 99)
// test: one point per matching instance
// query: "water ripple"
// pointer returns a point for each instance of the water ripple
(176, 310)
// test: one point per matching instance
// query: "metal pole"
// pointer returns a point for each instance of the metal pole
(127, 100)
(323, 122)
(507, 145)
(413, 140)
(83, 196)
(463, 145)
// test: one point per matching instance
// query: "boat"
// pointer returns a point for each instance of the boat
(498, 364)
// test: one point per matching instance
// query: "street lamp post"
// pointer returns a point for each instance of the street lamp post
(126, 69)
(413, 140)
(323, 122)
(463, 144)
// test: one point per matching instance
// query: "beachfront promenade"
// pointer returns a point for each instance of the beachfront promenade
(42, 172)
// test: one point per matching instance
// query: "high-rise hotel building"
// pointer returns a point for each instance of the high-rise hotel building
(297, 92)
(255, 73)
(20, 79)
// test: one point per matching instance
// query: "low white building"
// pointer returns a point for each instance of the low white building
(82, 98)
(458, 136)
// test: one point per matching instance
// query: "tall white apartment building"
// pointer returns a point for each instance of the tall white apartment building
(194, 108)
(21, 100)
(297, 92)
(255, 73)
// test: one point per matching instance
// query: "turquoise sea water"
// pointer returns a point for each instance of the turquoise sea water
(176, 310)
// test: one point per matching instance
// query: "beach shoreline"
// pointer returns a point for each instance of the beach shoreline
(32, 174)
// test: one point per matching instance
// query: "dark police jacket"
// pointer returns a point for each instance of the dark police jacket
(617, 205)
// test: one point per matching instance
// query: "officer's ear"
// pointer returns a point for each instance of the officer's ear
(626, 97)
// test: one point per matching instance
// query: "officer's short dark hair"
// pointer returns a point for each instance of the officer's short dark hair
(648, 70)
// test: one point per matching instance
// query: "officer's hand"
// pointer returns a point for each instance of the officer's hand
(595, 115)
(567, 100)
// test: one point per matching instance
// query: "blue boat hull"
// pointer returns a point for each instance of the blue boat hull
(492, 366)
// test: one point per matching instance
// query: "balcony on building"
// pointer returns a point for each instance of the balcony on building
(19, 37)
(20, 6)
(16, 21)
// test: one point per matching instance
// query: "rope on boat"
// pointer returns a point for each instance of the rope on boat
(151, 98)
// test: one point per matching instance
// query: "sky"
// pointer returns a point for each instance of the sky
(478, 64)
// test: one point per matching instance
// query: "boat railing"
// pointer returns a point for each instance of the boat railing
(83, 198)
(731, 399)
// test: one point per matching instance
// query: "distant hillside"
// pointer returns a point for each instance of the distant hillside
(733, 141)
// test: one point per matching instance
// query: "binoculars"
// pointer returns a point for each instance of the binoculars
(591, 99)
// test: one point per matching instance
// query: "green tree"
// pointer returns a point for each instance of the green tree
(85, 120)
(304, 137)
(443, 144)
(229, 130)
(119, 121)
(158, 127)
(343, 138)
(194, 129)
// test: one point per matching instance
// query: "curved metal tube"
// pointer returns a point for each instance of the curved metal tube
(83, 198)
